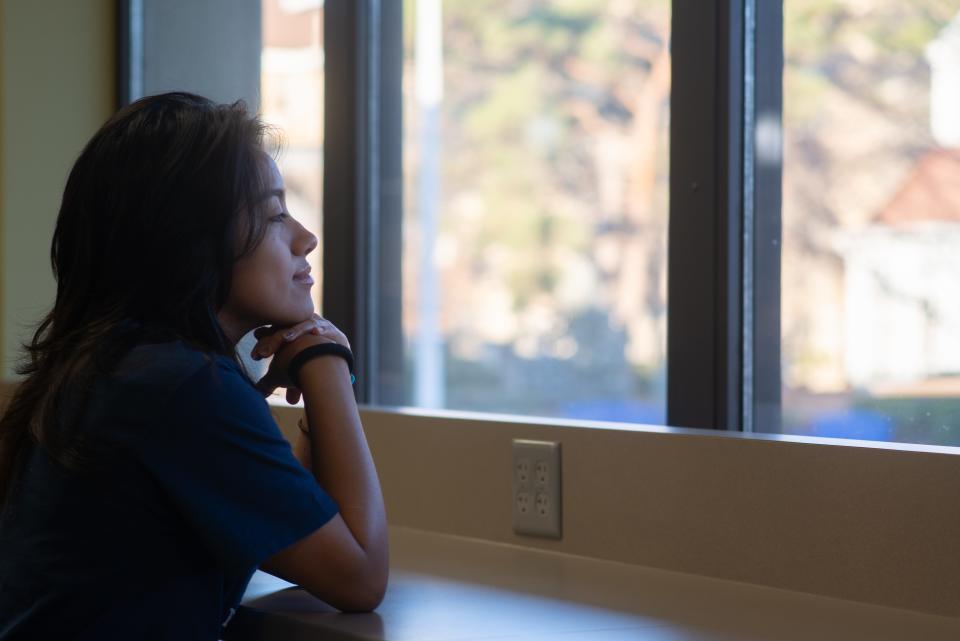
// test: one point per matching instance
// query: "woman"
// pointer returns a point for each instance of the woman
(142, 477)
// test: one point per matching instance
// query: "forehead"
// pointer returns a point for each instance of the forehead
(272, 179)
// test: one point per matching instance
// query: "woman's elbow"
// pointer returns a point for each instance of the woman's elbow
(364, 587)
(361, 605)
(365, 596)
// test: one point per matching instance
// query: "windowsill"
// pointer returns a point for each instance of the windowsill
(445, 587)
(490, 417)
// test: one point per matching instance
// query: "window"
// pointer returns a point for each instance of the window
(535, 207)
(734, 215)
(552, 120)
(871, 220)
(484, 235)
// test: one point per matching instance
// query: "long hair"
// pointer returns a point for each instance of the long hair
(160, 204)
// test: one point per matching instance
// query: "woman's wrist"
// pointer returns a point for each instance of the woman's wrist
(319, 350)
(324, 375)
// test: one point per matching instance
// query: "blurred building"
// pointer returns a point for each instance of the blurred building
(902, 271)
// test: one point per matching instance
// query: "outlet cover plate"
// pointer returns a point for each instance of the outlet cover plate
(536, 488)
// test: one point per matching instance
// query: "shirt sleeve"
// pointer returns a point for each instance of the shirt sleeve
(220, 457)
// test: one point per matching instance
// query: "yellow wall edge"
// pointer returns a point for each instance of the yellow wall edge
(57, 87)
(3, 173)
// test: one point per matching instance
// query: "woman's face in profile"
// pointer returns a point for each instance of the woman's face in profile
(271, 286)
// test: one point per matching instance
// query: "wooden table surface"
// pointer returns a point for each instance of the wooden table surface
(445, 588)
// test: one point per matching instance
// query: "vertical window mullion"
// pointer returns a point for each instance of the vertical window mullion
(362, 187)
(767, 199)
(388, 323)
(343, 197)
(704, 337)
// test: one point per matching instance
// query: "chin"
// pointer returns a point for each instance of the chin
(292, 315)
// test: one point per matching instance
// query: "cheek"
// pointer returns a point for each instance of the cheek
(263, 289)
(247, 289)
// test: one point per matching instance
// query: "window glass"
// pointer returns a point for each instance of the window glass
(871, 220)
(291, 98)
(535, 168)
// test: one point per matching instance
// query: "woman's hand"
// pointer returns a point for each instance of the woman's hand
(283, 343)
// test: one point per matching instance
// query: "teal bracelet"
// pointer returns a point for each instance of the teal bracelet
(314, 351)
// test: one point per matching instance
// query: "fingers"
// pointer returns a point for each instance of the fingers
(271, 339)
(266, 330)
(266, 386)
(261, 349)
(307, 326)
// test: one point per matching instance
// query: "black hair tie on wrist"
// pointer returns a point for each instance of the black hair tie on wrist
(323, 349)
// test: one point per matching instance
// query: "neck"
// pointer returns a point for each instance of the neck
(233, 329)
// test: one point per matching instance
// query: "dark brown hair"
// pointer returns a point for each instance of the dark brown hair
(156, 210)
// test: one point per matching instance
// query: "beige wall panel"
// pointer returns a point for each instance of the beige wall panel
(57, 89)
(855, 522)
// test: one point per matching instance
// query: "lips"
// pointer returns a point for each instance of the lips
(303, 277)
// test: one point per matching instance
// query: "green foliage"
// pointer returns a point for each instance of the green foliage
(520, 79)
(513, 99)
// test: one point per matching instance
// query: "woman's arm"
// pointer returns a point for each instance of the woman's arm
(345, 562)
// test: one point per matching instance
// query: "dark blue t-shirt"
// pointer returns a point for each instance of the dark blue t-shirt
(193, 486)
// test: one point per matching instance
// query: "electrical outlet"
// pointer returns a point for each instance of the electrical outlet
(536, 488)
(523, 502)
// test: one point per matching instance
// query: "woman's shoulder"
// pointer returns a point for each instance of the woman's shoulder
(169, 365)
(171, 383)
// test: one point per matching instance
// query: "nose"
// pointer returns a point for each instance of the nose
(305, 242)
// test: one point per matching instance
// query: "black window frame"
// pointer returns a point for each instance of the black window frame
(724, 219)
(363, 189)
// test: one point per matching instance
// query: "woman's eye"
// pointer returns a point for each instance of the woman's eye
(279, 217)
